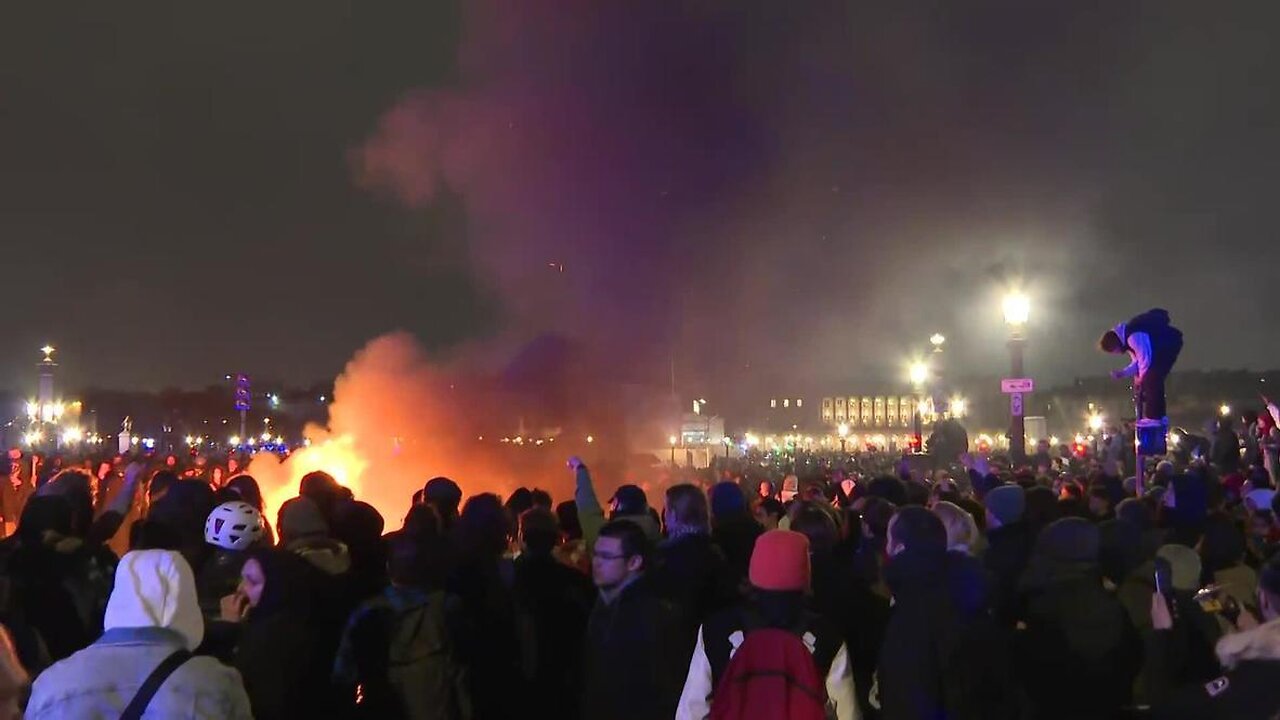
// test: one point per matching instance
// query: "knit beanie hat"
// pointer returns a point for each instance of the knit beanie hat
(301, 517)
(1007, 503)
(780, 561)
(1185, 564)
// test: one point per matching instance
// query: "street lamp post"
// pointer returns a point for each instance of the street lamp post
(672, 440)
(919, 373)
(843, 431)
(1017, 308)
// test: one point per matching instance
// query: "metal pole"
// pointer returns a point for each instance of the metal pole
(243, 416)
(1140, 461)
(1018, 423)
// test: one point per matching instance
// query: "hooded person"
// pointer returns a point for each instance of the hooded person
(1008, 547)
(553, 602)
(282, 646)
(61, 585)
(482, 577)
(1153, 345)
(400, 648)
(359, 526)
(445, 496)
(153, 620)
(304, 531)
(1073, 624)
(182, 511)
(733, 528)
(780, 578)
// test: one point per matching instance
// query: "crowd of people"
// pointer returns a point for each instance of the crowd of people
(1046, 589)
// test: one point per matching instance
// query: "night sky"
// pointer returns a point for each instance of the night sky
(776, 190)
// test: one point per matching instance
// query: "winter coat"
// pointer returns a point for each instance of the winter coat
(152, 613)
(61, 586)
(100, 680)
(942, 655)
(553, 602)
(489, 642)
(736, 536)
(1246, 691)
(1008, 549)
(629, 672)
(1077, 636)
(693, 574)
(400, 649)
(843, 597)
(723, 634)
(283, 648)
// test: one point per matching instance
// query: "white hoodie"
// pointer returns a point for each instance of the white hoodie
(156, 588)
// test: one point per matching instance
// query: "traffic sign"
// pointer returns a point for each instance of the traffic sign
(1017, 385)
(242, 395)
(1015, 404)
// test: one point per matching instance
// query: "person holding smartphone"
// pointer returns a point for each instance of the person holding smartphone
(1249, 686)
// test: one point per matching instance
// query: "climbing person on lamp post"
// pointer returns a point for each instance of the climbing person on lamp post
(1153, 346)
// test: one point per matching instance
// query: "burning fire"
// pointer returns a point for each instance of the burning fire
(337, 456)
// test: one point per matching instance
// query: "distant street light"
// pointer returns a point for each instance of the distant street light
(843, 431)
(1225, 410)
(1017, 310)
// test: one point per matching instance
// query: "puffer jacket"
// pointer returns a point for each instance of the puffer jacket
(100, 680)
(152, 613)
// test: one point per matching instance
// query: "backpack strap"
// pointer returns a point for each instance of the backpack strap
(151, 685)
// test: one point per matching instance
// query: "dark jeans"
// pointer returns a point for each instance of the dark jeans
(1150, 395)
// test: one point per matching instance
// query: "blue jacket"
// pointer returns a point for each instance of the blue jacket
(99, 681)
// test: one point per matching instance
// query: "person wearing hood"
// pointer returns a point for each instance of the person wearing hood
(359, 526)
(1008, 547)
(482, 578)
(1074, 629)
(445, 496)
(284, 660)
(1222, 551)
(304, 531)
(1154, 346)
(1249, 659)
(1184, 507)
(691, 571)
(398, 655)
(942, 654)
(553, 601)
(61, 584)
(153, 623)
(733, 528)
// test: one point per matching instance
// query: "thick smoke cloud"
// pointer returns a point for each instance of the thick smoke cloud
(776, 190)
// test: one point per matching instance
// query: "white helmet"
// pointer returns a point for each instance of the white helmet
(233, 525)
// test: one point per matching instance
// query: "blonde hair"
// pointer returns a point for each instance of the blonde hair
(962, 530)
